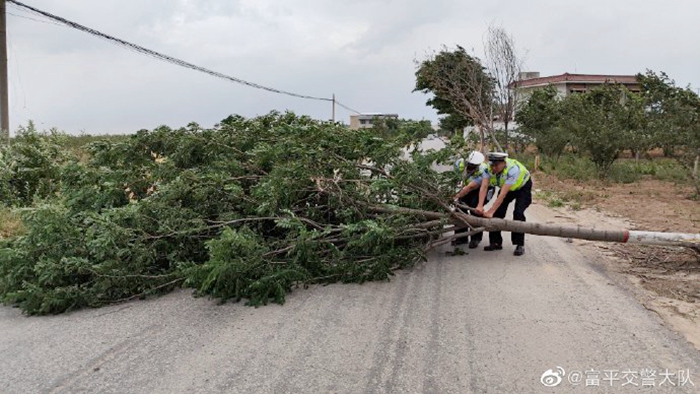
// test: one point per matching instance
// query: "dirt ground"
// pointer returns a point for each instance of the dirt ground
(666, 280)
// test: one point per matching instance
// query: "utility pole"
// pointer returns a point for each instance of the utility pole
(4, 96)
(333, 118)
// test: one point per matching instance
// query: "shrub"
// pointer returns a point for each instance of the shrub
(244, 210)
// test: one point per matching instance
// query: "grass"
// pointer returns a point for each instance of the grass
(555, 202)
(582, 169)
(10, 224)
(573, 200)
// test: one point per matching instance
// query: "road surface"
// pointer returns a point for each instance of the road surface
(483, 322)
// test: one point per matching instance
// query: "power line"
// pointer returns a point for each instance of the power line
(338, 103)
(144, 51)
(161, 56)
(35, 20)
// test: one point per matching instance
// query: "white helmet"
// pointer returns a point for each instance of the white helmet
(497, 156)
(475, 158)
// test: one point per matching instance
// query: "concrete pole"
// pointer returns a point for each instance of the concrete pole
(333, 117)
(4, 96)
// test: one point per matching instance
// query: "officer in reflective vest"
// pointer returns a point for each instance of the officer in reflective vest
(514, 183)
(472, 170)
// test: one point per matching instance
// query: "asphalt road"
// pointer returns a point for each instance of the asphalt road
(483, 322)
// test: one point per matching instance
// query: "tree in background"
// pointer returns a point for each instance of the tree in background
(452, 123)
(541, 118)
(603, 120)
(610, 119)
(410, 129)
(452, 119)
(673, 116)
(504, 65)
(460, 86)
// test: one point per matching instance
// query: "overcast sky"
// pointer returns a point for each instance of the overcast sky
(361, 50)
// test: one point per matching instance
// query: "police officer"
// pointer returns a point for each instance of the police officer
(472, 170)
(514, 183)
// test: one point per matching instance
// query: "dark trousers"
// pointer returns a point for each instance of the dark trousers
(523, 198)
(472, 199)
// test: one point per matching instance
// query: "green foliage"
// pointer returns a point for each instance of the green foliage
(661, 169)
(449, 75)
(30, 166)
(673, 120)
(600, 123)
(621, 173)
(582, 169)
(77, 142)
(245, 210)
(404, 128)
(514, 139)
(555, 202)
(543, 119)
(236, 258)
(527, 159)
(452, 124)
(603, 120)
(608, 120)
(570, 166)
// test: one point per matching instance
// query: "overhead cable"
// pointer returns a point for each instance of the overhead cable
(159, 55)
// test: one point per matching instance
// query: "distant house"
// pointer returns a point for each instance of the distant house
(365, 121)
(567, 84)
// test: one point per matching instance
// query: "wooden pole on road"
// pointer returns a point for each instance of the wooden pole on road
(461, 219)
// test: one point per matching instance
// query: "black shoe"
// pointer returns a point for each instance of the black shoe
(474, 243)
(519, 250)
(493, 247)
(460, 241)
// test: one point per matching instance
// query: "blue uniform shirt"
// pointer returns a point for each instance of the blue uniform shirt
(511, 176)
(476, 176)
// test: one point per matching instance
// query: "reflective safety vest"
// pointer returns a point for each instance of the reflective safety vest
(479, 172)
(500, 179)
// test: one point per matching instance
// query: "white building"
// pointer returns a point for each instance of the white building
(365, 121)
(567, 84)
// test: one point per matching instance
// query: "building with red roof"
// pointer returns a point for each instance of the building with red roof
(571, 83)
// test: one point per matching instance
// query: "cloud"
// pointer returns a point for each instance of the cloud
(363, 51)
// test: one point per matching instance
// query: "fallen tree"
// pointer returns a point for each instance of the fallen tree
(246, 210)
(461, 219)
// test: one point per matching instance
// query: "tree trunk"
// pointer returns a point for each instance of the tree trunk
(578, 232)
(592, 234)
(505, 132)
(492, 134)
(482, 140)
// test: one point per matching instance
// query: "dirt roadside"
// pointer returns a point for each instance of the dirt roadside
(665, 280)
